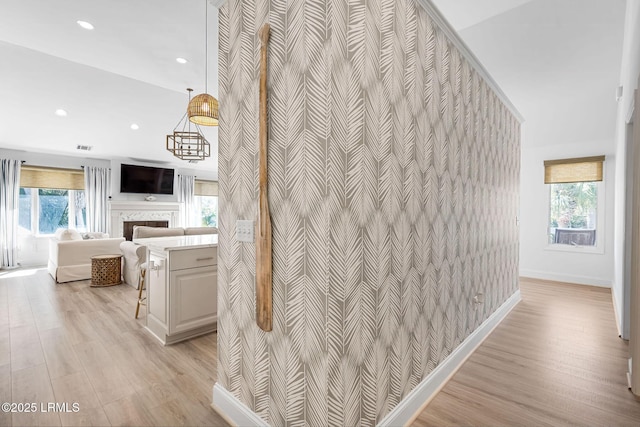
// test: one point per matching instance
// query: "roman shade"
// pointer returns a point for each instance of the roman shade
(206, 188)
(51, 178)
(583, 169)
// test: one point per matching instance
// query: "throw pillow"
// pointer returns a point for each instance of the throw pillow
(94, 235)
(67, 234)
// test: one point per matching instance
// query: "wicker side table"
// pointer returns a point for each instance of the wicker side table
(106, 270)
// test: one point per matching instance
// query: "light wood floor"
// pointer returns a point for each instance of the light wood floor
(555, 360)
(73, 343)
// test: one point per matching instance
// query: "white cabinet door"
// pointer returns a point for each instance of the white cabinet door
(194, 298)
(157, 289)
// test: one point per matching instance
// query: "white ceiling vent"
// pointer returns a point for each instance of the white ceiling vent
(84, 147)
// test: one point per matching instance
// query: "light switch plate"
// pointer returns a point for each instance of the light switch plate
(245, 230)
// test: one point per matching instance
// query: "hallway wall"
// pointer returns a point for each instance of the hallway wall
(394, 180)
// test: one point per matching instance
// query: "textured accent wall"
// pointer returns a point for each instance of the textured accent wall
(394, 175)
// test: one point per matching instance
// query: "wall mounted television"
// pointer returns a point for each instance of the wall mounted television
(145, 179)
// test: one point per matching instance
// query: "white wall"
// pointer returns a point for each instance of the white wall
(628, 80)
(34, 250)
(115, 180)
(536, 260)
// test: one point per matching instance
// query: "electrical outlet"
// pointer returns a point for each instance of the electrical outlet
(478, 298)
(245, 230)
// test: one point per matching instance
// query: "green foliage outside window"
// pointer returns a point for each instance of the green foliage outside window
(24, 209)
(54, 210)
(43, 211)
(572, 206)
(209, 211)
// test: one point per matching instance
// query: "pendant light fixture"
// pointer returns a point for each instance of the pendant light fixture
(203, 108)
(186, 144)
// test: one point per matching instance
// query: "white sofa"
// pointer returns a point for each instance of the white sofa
(70, 254)
(135, 255)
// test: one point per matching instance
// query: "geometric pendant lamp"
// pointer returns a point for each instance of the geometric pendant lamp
(188, 144)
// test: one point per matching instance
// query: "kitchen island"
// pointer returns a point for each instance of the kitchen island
(181, 281)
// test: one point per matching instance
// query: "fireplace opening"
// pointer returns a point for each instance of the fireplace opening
(127, 226)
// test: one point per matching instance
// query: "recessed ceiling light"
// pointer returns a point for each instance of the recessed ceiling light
(135, 126)
(60, 112)
(86, 25)
(181, 61)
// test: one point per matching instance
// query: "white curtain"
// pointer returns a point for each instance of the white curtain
(9, 202)
(97, 188)
(186, 184)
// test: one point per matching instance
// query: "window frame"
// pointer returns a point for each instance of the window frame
(598, 248)
(205, 188)
(35, 213)
(198, 210)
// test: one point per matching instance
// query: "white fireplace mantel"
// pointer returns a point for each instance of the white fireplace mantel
(120, 211)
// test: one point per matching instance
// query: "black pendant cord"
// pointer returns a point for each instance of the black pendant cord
(206, 46)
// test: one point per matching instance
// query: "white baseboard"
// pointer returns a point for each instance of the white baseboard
(411, 406)
(616, 313)
(568, 278)
(232, 410)
(237, 413)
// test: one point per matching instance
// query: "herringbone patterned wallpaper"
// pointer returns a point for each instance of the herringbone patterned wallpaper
(394, 174)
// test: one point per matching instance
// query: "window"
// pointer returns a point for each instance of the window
(43, 211)
(24, 209)
(572, 216)
(574, 195)
(207, 210)
(206, 202)
(51, 199)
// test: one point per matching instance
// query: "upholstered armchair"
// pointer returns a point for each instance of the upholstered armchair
(134, 256)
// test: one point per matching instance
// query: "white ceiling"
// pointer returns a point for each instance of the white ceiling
(122, 72)
(462, 14)
(557, 60)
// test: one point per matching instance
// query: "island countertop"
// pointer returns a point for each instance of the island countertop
(179, 242)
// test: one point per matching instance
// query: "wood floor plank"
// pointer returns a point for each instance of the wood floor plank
(555, 360)
(26, 350)
(32, 385)
(92, 353)
(158, 394)
(20, 313)
(77, 326)
(85, 417)
(128, 411)
(75, 388)
(5, 393)
(4, 306)
(59, 355)
(77, 344)
(5, 346)
(137, 362)
(109, 383)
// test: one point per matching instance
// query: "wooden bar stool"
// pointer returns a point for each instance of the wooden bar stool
(141, 287)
